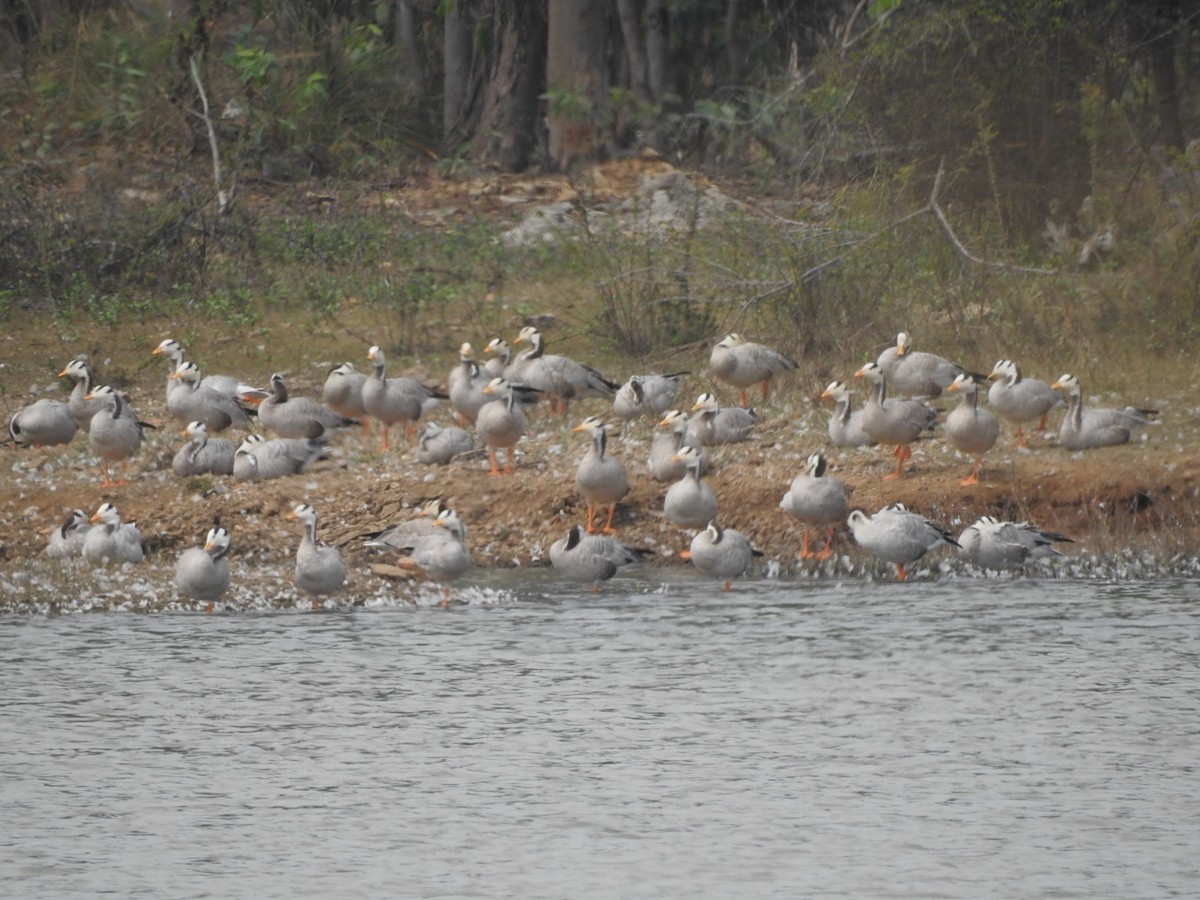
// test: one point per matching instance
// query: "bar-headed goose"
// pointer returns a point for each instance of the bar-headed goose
(115, 434)
(713, 424)
(592, 557)
(66, 540)
(202, 455)
(190, 401)
(298, 417)
(898, 536)
(845, 424)
(465, 385)
(599, 478)
(342, 392)
(500, 423)
(970, 429)
(319, 567)
(559, 378)
(647, 395)
(1018, 399)
(912, 373)
(690, 503)
(663, 464)
(83, 377)
(897, 422)
(258, 459)
(1087, 429)
(438, 445)
(743, 364)
(993, 544)
(231, 387)
(441, 555)
(43, 423)
(398, 400)
(818, 500)
(202, 573)
(110, 540)
(721, 553)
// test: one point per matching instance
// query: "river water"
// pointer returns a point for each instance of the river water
(851, 739)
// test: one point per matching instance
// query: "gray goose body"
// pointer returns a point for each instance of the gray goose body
(1018, 399)
(742, 364)
(342, 391)
(1088, 429)
(298, 417)
(465, 385)
(319, 568)
(689, 502)
(500, 423)
(261, 460)
(970, 429)
(66, 541)
(394, 401)
(993, 544)
(898, 536)
(81, 407)
(191, 401)
(599, 478)
(441, 554)
(403, 535)
(845, 423)
(114, 436)
(721, 553)
(713, 424)
(111, 541)
(591, 557)
(559, 378)
(896, 422)
(647, 395)
(43, 423)
(202, 573)
(662, 464)
(911, 373)
(818, 500)
(226, 385)
(438, 445)
(202, 455)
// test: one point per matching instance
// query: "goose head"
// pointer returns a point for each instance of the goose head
(170, 348)
(837, 391)
(706, 402)
(216, 542)
(498, 386)
(498, 346)
(187, 372)
(529, 335)
(77, 368)
(375, 355)
(1005, 368)
(903, 344)
(106, 514)
(870, 371)
(675, 419)
(450, 520)
(1068, 383)
(963, 383)
(689, 456)
(816, 465)
(302, 512)
(592, 425)
(195, 431)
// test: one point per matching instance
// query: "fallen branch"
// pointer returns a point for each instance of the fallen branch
(224, 198)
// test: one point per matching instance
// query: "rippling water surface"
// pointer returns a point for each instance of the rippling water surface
(1013, 739)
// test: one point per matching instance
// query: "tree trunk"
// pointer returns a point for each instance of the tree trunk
(507, 129)
(406, 38)
(456, 81)
(630, 13)
(656, 48)
(576, 80)
(1164, 23)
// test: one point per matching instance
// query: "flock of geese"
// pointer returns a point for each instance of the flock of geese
(490, 400)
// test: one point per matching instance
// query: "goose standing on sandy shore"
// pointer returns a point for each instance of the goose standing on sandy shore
(911, 373)
(1018, 399)
(298, 417)
(898, 536)
(66, 540)
(342, 392)
(191, 401)
(319, 567)
(714, 424)
(81, 407)
(992, 544)
(818, 500)
(441, 555)
(690, 503)
(559, 378)
(500, 423)
(1087, 429)
(662, 464)
(43, 423)
(599, 478)
(897, 422)
(592, 557)
(114, 436)
(110, 540)
(438, 445)
(202, 573)
(647, 395)
(394, 400)
(258, 459)
(970, 429)
(845, 424)
(231, 387)
(202, 455)
(742, 364)
(721, 553)
(465, 386)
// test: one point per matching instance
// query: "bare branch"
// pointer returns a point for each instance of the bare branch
(224, 198)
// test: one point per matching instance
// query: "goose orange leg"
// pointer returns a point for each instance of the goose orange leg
(495, 470)
(608, 525)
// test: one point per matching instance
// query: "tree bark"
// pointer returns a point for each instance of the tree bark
(456, 78)
(507, 130)
(1164, 23)
(576, 80)
(630, 14)
(657, 29)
